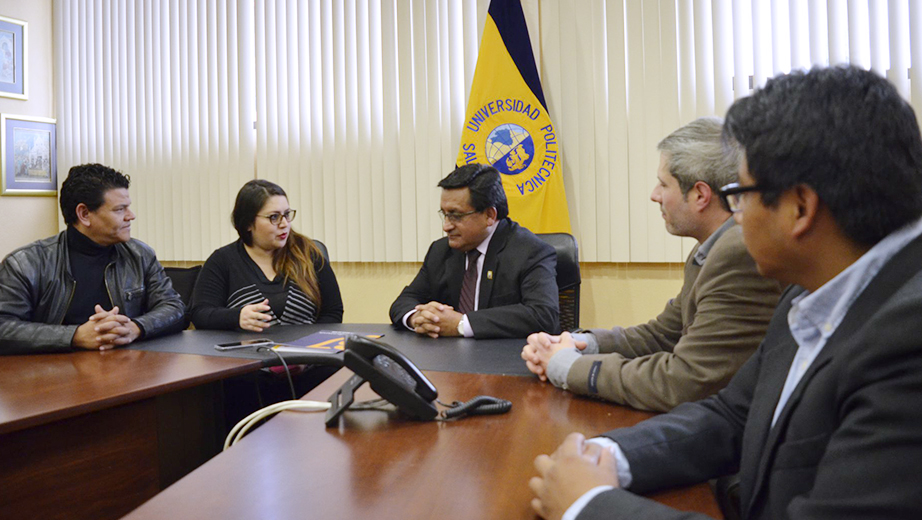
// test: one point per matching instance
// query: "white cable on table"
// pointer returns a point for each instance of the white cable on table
(242, 427)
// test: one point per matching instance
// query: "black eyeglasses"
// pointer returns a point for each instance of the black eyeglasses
(732, 194)
(275, 218)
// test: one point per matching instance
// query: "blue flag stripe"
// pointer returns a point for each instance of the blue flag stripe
(510, 22)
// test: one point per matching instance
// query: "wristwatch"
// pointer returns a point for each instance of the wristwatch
(461, 327)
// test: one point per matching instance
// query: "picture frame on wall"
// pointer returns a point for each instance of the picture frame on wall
(13, 58)
(28, 155)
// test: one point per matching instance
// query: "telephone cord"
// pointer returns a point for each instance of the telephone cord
(480, 405)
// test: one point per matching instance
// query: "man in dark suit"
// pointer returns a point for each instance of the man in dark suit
(489, 277)
(825, 420)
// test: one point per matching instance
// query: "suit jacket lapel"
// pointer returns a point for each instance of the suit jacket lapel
(903, 266)
(454, 276)
(490, 262)
(768, 434)
(772, 376)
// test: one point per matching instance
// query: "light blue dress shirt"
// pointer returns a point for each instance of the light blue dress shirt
(813, 318)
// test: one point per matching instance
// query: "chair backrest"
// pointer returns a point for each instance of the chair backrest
(568, 279)
(183, 279)
(323, 249)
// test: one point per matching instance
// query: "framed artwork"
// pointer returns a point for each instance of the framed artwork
(28, 158)
(13, 58)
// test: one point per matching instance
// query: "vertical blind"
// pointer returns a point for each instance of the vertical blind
(355, 107)
(161, 90)
(360, 107)
(621, 74)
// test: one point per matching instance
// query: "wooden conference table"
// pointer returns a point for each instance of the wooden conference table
(378, 465)
(92, 435)
(95, 434)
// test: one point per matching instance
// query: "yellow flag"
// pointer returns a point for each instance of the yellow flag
(507, 124)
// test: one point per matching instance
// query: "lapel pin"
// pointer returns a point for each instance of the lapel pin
(489, 275)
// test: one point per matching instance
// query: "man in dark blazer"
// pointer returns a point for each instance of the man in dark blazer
(825, 420)
(511, 288)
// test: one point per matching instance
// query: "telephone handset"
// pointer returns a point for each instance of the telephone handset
(390, 374)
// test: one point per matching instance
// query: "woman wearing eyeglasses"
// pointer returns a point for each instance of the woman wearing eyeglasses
(271, 276)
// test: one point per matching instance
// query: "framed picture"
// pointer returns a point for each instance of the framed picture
(13, 58)
(28, 158)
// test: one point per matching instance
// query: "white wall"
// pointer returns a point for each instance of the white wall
(25, 219)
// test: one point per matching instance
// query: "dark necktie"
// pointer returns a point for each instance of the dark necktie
(469, 285)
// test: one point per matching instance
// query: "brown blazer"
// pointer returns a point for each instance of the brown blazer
(693, 348)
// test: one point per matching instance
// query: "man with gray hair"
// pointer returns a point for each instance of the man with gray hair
(693, 348)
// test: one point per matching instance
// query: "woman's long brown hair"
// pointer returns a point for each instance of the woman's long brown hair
(296, 260)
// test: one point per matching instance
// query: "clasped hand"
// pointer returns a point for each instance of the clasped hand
(575, 468)
(106, 330)
(541, 347)
(435, 319)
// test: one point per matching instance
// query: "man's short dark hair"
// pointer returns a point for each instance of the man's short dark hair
(846, 133)
(485, 184)
(88, 184)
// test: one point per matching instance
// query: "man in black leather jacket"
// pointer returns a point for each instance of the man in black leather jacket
(92, 286)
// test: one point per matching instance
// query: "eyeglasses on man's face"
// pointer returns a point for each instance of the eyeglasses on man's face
(454, 218)
(732, 195)
(276, 218)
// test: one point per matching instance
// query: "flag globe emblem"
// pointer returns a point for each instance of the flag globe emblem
(510, 149)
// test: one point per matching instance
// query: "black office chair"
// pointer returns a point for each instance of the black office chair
(323, 249)
(183, 279)
(568, 279)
